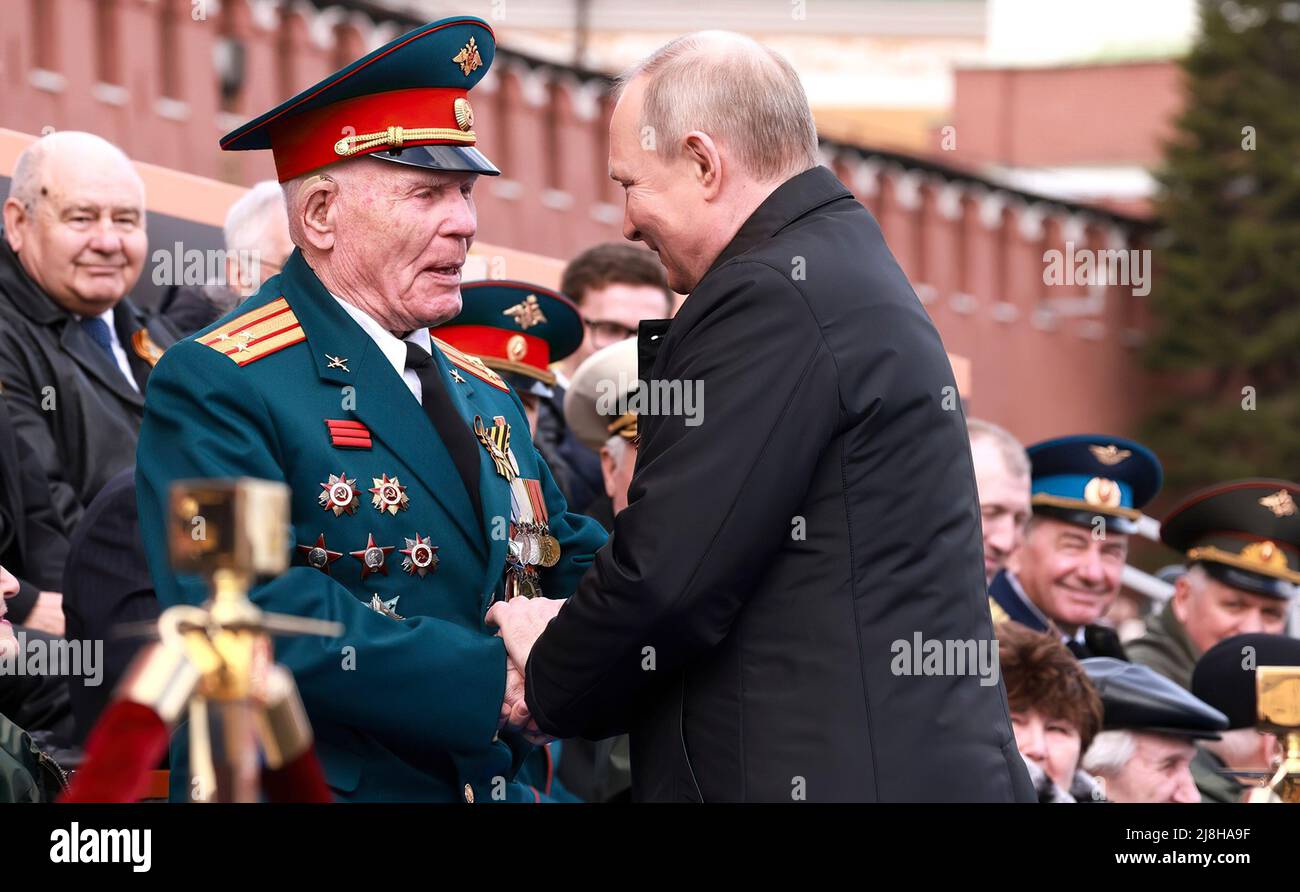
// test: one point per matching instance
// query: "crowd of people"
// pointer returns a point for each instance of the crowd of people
(1160, 709)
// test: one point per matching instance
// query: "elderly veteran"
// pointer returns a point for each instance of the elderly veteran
(1241, 540)
(1086, 492)
(1150, 725)
(408, 459)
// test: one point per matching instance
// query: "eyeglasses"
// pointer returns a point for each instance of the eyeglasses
(605, 332)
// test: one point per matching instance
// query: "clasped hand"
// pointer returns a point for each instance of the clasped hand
(520, 622)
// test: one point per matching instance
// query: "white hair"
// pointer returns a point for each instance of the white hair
(249, 220)
(1109, 753)
(1009, 448)
(735, 89)
(25, 184)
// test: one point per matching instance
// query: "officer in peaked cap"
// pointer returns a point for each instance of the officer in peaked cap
(1149, 724)
(1224, 677)
(1241, 540)
(518, 330)
(1086, 495)
(405, 455)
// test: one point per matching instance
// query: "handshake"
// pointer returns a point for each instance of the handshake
(520, 622)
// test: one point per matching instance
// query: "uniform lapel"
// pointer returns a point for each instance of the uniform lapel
(470, 400)
(381, 399)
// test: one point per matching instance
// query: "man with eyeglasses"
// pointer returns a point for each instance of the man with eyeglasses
(615, 287)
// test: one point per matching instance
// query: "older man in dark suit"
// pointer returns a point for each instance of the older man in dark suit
(802, 527)
(75, 353)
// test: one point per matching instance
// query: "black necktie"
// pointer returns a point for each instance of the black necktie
(451, 428)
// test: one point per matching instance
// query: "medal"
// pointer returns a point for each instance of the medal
(387, 608)
(339, 495)
(496, 440)
(550, 550)
(548, 554)
(373, 557)
(420, 556)
(388, 495)
(318, 555)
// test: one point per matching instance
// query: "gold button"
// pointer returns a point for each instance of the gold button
(469, 794)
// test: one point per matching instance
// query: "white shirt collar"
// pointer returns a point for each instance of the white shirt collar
(393, 347)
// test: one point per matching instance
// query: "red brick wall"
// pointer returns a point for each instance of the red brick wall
(974, 252)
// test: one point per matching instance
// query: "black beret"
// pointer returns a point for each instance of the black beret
(1225, 678)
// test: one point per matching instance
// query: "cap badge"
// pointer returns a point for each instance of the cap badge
(1264, 554)
(468, 58)
(1280, 503)
(526, 313)
(1103, 492)
(1110, 454)
(516, 347)
(464, 113)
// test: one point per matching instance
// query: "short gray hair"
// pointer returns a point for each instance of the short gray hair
(1109, 753)
(746, 95)
(1009, 448)
(248, 219)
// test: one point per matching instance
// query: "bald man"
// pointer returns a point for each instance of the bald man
(75, 353)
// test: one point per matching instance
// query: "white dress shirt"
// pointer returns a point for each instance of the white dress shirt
(393, 347)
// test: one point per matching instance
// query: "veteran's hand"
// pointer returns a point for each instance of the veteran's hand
(522, 621)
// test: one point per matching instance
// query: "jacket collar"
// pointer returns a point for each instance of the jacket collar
(26, 296)
(1003, 590)
(796, 197)
(1169, 623)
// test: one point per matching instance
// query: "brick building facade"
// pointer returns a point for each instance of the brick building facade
(165, 78)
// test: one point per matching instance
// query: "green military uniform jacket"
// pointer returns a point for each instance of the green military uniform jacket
(405, 705)
(1166, 648)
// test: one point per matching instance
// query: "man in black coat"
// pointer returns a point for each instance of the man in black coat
(75, 353)
(802, 526)
(33, 546)
(108, 594)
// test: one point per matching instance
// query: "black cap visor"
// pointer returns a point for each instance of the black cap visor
(458, 159)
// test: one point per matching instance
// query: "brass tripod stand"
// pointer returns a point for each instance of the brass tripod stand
(214, 662)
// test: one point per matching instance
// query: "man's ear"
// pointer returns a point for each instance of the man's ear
(701, 153)
(14, 216)
(1182, 595)
(318, 207)
(608, 470)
